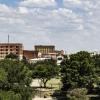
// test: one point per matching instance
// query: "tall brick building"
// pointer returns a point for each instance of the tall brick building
(7, 48)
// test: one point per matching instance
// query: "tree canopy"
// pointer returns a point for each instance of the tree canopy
(78, 71)
(12, 56)
(45, 70)
(15, 79)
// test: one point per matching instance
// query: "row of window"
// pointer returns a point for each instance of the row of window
(9, 47)
(45, 50)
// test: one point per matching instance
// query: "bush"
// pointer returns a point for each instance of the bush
(9, 95)
(77, 94)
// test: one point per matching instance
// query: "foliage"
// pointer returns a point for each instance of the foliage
(45, 70)
(15, 76)
(9, 95)
(77, 94)
(3, 75)
(78, 71)
(96, 59)
(12, 56)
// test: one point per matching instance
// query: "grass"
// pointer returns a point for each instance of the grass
(54, 83)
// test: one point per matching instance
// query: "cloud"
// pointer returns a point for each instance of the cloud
(73, 27)
(4, 8)
(38, 3)
(23, 10)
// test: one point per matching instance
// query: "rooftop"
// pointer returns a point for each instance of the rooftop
(11, 44)
(44, 46)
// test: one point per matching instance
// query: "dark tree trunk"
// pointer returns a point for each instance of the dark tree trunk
(44, 82)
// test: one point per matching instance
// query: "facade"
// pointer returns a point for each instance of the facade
(45, 49)
(30, 54)
(7, 48)
(41, 52)
(35, 60)
(48, 51)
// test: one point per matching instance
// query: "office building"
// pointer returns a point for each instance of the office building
(7, 48)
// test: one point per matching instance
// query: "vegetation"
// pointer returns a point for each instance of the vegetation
(79, 71)
(77, 94)
(15, 79)
(12, 56)
(9, 95)
(45, 70)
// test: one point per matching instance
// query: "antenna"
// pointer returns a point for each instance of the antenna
(8, 38)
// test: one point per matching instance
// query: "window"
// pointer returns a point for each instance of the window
(6, 49)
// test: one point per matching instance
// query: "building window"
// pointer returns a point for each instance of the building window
(16, 46)
(6, 49)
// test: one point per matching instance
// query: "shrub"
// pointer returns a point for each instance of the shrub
(77, 94)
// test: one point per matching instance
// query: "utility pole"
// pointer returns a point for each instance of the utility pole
(8, 45)
(8, 38)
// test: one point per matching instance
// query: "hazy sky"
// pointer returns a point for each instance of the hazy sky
(71, 25)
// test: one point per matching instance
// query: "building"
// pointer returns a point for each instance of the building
(30, 54)
(7, 48)
(59, 59)
(45, 49)
(35, 60)
(48, 51)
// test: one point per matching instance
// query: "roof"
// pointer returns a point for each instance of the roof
(44, 46)
(11, 44)
(30, 51)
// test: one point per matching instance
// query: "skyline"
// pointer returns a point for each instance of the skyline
(72, 25)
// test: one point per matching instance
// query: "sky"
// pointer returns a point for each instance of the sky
(70, 25)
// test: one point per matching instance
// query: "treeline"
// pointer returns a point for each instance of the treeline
(80, 75)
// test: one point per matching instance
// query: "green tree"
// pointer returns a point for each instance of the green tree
(45, 70)
(9, 95)
(3, 75)
(15, 76)
(96, 59)
(12, 56)
(78, 71)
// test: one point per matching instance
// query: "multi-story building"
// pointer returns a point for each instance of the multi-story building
(45, 49)
(48, 51)
(7, 48)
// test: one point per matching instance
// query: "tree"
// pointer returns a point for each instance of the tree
(3, 75)
(45, 70)
(15, 78)
(12, 56)
(96, 59)
(9, 95)
(78, 71)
